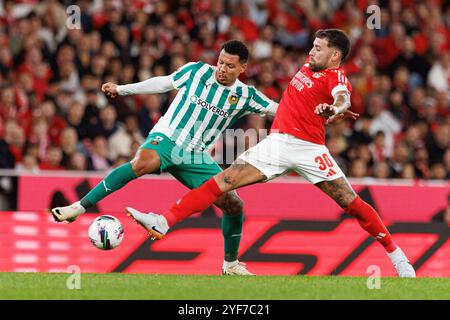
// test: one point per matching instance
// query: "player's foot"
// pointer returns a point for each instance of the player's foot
(68, 213)
(238, 269)
(401, 264)
(155, 224)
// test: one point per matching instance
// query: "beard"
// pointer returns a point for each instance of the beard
(315, 67)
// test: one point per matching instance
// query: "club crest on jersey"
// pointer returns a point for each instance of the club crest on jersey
(317, 75)
(233, 99)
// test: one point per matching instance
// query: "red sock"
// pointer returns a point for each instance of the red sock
(194, 201)
(370, 221)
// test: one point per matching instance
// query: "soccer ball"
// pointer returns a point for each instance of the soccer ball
(106, 232)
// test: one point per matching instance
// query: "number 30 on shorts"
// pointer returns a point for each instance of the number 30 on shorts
(324, 161)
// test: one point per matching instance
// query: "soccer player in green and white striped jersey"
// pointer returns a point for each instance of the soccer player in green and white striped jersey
(209, 99)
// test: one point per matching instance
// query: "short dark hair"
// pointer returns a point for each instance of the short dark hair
(336, 38)
(238, 48)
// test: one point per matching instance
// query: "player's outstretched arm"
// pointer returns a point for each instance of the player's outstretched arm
(149, 86)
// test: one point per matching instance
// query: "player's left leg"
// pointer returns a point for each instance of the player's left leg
(341, 192)
(344, 195)
(316, 164)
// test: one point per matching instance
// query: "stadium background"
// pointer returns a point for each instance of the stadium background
(60, 134)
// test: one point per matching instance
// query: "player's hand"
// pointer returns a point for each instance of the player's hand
(342, 116)
(110, 89)
(325, 110)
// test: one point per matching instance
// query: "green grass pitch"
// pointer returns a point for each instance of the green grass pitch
(201, 287)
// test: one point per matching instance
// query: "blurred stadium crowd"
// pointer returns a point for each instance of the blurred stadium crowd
(53, 114)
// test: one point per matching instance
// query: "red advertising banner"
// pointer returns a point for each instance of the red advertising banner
(281, 199)
(290, 228)
(31, 241)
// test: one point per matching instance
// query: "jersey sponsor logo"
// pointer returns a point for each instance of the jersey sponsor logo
(233, 99)
(106, 188)
(206, 84)
(331, 173)
(206, 105)
(300, 76)
(156, 140)
(300, 80)
(317, 75)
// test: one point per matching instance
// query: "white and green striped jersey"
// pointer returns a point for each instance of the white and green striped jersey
(203, 108)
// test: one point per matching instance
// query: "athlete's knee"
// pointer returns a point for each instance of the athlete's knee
(229, 179)
(144, 163)
(231, 204)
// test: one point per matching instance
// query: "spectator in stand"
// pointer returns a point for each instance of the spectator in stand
(69, 144)
(447, 162)
(29, 164)
(98, 159)
(400, 158)
(383, 120)
(106, 124)
(438, 171)
(378, 148)
(439, 75)
(7, 156)
(358, 169)
(399, 72)
(149, 113)
(55, 123)
(438, 142)
(416, 64)
(120, 142)
(421, 165)
(53, 159)
(75, 119)
(408, 172)
(77, 162)
(381, 170)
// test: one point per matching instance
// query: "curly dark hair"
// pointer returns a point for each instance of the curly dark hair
(238, 48)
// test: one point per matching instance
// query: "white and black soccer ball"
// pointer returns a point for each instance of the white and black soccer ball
(106, 232)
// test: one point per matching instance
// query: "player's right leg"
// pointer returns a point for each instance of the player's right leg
(146, 161)
(237, 175)
(262, 162)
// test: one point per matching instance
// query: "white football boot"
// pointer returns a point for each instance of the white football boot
(68, 213)
(238, 269)
(155, 224)
(401, 264)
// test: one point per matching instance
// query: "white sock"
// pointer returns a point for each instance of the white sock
(228, 264)
(79, 207)
(397, 255)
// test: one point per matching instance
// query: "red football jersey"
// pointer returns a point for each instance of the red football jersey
(295, 114)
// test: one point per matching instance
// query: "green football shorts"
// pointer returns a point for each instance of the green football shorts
(190, 168)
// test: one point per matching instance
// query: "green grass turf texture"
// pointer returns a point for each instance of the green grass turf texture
(202, 287)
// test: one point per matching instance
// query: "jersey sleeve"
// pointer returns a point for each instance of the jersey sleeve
(260, 103)
(181, 76)
(338, 82)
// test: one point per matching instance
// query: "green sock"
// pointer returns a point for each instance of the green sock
(115, 180)
(232, 233)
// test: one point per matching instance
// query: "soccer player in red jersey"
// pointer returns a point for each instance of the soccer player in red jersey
(318, 93)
